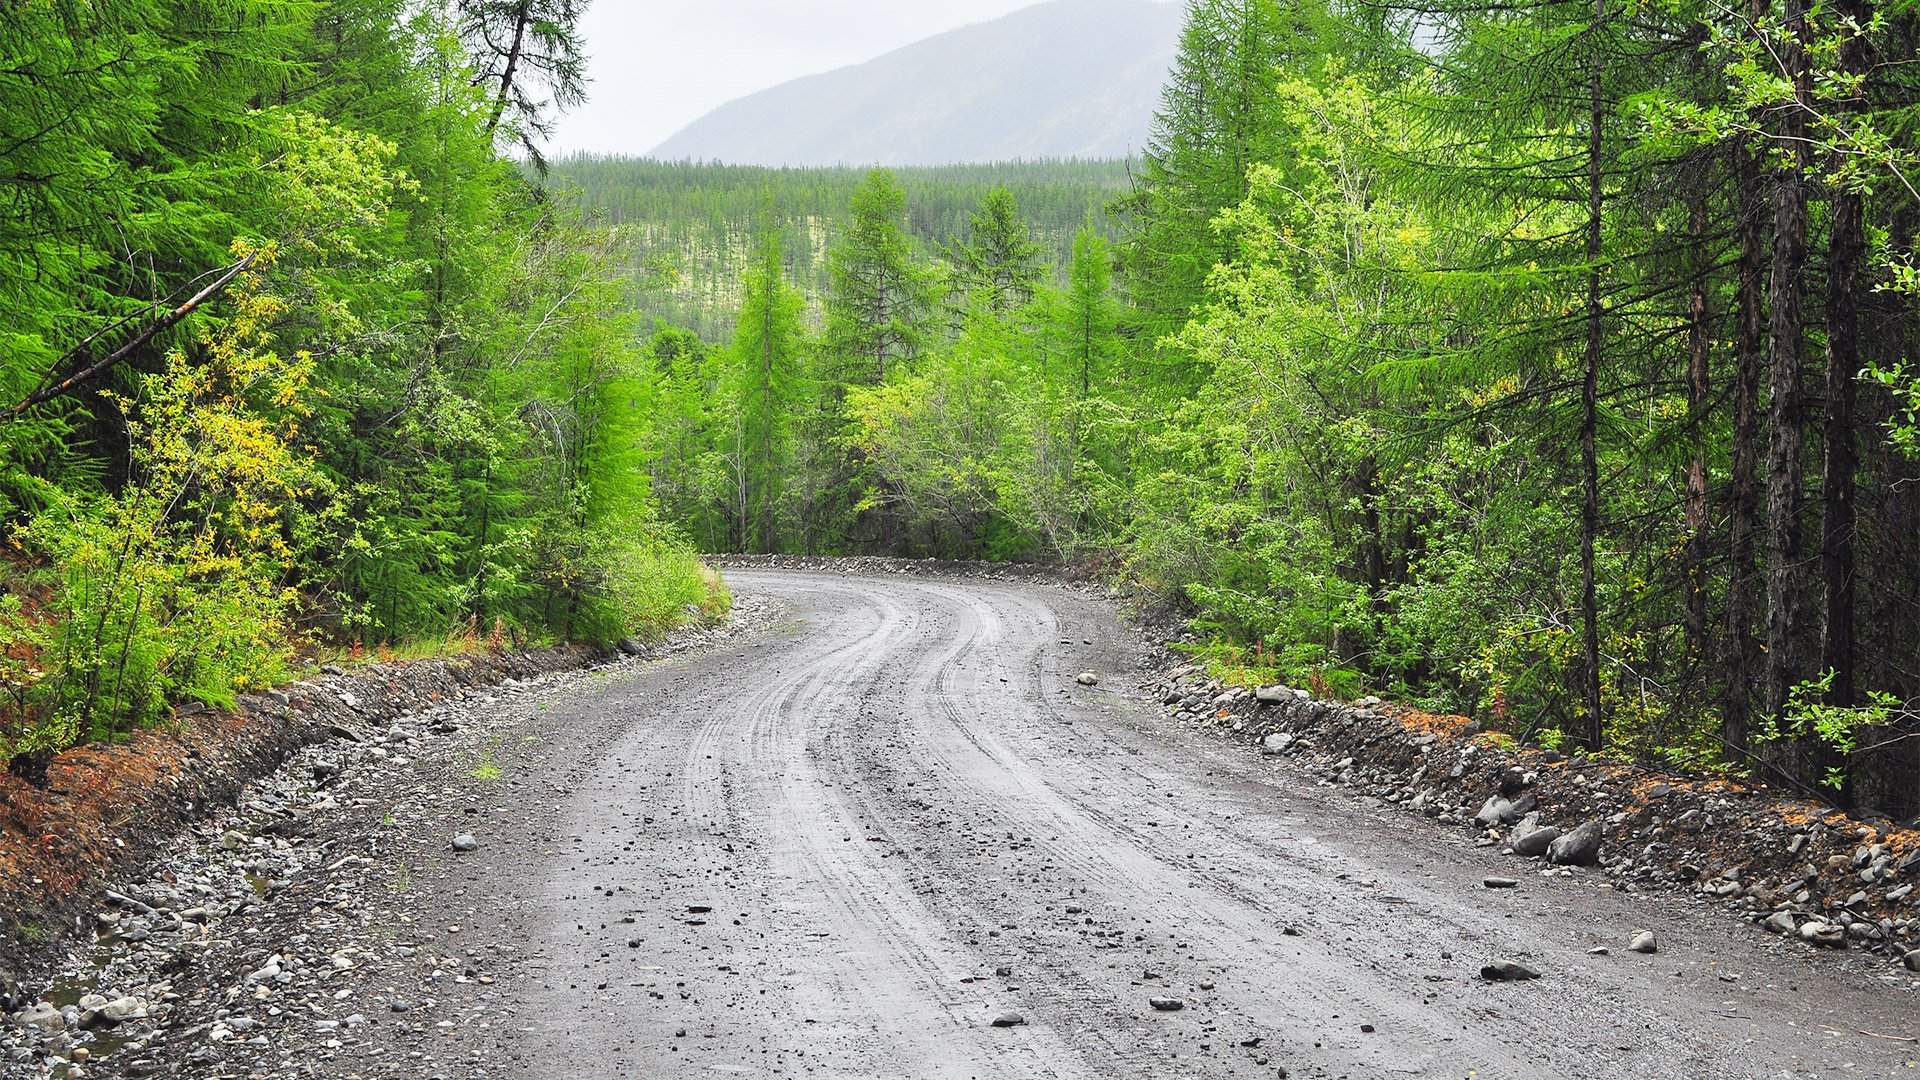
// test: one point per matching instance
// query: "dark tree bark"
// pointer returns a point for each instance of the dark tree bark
(1846, 252)
(1789, 630)
(1699, 391)
(1595, 732)
(520, 17)
(1742, 658)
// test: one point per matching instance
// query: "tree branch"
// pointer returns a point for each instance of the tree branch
(94, 370)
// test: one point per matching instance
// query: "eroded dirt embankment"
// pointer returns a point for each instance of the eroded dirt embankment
(105, 811)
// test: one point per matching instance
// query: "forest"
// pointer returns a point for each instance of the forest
(299, 363)
(1545, 362)
(691, 227)
(1548, 363)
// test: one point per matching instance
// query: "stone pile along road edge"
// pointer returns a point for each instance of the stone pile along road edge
(1791, 866)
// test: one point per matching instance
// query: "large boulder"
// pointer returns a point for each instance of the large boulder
(1581, 847)
(43, 1016)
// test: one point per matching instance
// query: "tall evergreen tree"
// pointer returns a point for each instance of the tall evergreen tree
(529, 56)
(878, 301)
(767, 395)
(998, 257)
(1218, 115)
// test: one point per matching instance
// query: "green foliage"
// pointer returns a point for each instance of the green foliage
(1903, 384)
(1810, 714)
(1217, 117)
(998, 258)
(879, 296)
(408, 403)
(766, 394)
(696, 225)
(1439, 339)
(932, 438)
(173, 588)
(656, 584)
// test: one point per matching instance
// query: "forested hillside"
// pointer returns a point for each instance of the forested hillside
(690, 229)
(297, 360)
(1549, 364)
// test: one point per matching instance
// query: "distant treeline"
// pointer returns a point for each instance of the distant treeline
(692, 226)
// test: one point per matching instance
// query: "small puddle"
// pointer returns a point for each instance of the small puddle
(69, 989)
(102, 1045)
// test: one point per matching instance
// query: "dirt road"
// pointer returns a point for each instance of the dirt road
(846, 848)
(846, 844)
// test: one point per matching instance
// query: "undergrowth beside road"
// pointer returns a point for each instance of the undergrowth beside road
(64, 692)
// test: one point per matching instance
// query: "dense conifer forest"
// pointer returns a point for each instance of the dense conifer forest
(692, 228)
(1548, 362)
(297, 361)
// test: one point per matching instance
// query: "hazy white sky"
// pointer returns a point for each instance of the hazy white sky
(658, 65)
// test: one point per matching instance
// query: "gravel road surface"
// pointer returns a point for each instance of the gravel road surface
(890, 834)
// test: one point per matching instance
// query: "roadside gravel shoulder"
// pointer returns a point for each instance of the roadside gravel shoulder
(275, 935)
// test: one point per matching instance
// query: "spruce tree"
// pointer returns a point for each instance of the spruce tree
(998, 257)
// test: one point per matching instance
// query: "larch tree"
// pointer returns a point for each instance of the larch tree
(767, 390)
(1217, 116)
(879, 296)
(529, 56)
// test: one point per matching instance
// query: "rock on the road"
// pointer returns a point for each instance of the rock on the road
(1507, 971)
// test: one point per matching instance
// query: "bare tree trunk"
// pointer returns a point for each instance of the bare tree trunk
(1595, 732)
(1789, 659)
(1742, 659)
(99, 367)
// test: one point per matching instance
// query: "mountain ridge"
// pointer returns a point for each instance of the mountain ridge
(1063, 79)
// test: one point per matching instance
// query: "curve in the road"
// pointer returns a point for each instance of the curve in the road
(815, 863)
